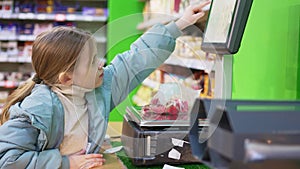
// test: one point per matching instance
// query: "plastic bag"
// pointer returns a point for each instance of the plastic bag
(173, 101)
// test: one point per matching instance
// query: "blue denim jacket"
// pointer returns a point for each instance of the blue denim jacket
(31, 137)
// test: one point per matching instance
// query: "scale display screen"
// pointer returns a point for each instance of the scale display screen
(225, 26)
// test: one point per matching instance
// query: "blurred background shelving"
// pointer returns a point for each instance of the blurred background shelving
(22, 20)
(188, 64)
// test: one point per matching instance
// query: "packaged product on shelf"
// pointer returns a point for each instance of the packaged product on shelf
(50, 6)
(159, 7)
(143, 96)
(183, 5)
(146, 11)
(20, 48)
(24, 54)
(211, 56)
(156, 76)
(101, 12)
(71, 10)
(13, 79)
(61, 9)
(3, 54)
(193, 2)
(7, 7)
(177, 5)
(2, 77)
(25, 29)
(41, 6)
(206, 82)
(3, 51)
(65, 9)
(41, 27)
(93, 11)
(193, 81)
(189, 47)
(8, 31)
(3, 96)
(27, 49)
(12, 49)
(163, 11)
(7, 81)
(44, 6)
(24, 6)
(172, 78)
(70, 24)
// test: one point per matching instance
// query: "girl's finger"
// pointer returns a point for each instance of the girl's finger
(91, 165)
(95, 160)
(199, 15)
(88, 156)
(201, 5)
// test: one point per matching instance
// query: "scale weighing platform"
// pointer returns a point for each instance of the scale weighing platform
(154, 142)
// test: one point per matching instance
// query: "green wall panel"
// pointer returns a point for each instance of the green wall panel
(123, 19)
(298, 77)
(124, 16)
(267, 64)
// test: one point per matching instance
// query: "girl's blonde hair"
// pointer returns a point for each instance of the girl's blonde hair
(53, 52)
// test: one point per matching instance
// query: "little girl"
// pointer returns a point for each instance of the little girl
(59, 118)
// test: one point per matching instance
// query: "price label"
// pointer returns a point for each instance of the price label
(22, 37)
(71, 17)
(41, 16)
(26, 16)
(12, 59)
(60, 17)
(88, 18)
(9, 84)
(3, 58)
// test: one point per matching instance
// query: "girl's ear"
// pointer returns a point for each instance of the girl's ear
(65, 78)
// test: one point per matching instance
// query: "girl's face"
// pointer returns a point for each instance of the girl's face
(88, 72)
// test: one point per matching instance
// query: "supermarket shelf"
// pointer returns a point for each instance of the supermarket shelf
(89, 0)
(139, 101)
(150, 83)
(163, 20)
(9, 84)
(191, 63)
(32, 38)
(22, 59)
(54, 17)
(18, 37)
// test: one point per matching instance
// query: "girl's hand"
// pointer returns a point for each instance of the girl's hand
(191, 15)
(81, 160)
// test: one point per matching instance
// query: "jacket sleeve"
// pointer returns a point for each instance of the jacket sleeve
(147, 53)
(18, 147)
